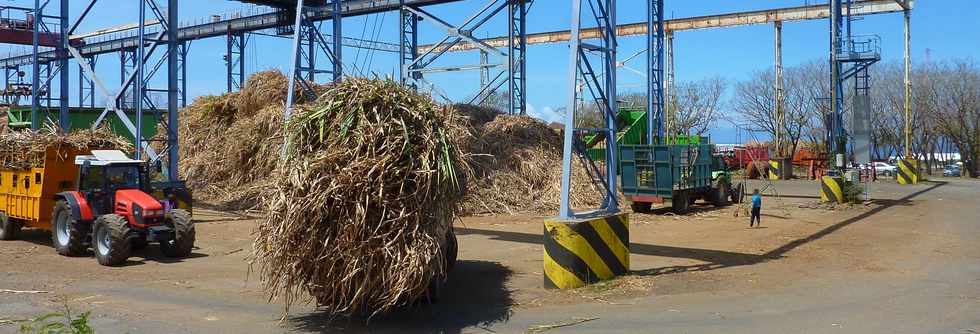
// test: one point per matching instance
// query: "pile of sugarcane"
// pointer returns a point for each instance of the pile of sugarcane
(26, 149)
(219, 135)
(517, 163)
(369, 184)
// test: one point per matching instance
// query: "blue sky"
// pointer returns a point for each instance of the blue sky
(948, 29)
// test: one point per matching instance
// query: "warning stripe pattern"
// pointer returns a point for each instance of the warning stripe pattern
(906, 173)
(832, 189)
(581, 253)
(774, 172)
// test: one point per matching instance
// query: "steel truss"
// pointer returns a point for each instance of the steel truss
(45, 69)
(308, 44)
(235, 59)
(585, 59)
(513, 72)
(850, 57)
(135, 74)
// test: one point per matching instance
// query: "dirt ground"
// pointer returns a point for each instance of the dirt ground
(907, 262)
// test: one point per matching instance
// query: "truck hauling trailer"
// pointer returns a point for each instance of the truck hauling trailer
(681, 172)
(100, 201)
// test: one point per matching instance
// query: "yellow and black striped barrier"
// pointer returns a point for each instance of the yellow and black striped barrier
(907, 171)
(775, 173)
(832, 189)
(585, 252)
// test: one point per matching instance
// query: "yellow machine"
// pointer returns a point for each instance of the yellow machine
(28, 196)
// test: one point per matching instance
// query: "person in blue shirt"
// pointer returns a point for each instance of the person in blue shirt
(756, 208)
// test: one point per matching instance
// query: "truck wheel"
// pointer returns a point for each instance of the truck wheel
(182, 240)
(8, 228)
(641, 207)
(111, 240)
(69, 236)
(681, 202)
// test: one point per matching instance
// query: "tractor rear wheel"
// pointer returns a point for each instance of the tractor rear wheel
(182, 240)
(69, 236)
(111, 240)
(8, 228)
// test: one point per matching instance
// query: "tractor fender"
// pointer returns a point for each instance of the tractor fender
(80, 210)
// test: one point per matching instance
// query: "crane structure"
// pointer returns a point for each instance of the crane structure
(157, 46)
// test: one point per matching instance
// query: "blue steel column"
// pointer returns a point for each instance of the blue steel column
(564, 207)
(35, 62)
(338, 20)
(516, 56)
(408, 45)
(603, 91)
(294, 65)
(63, 74)
(138, 88)
(655, 72)
(612, 147)
(173, 55)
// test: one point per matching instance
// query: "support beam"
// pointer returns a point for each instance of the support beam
(235, 60)
(656, 39)
(908, 84)
(802, 13)
(780, 98)
(601, 86)
(174, 58)
(669, 94)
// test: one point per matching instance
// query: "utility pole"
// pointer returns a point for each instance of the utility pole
(780, 112)
(908, 84)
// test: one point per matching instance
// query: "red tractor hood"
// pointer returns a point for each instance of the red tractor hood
(125, 198)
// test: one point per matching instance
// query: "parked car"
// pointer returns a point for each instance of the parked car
(952, 171)
(886, 169)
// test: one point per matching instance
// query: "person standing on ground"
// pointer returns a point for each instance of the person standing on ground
(756, 208)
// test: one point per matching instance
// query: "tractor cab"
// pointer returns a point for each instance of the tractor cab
(110, 181)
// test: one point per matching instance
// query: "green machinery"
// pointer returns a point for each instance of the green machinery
(681, 171)
(19, 117)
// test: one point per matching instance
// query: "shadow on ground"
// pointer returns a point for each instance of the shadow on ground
(716, 259)
(475, 296)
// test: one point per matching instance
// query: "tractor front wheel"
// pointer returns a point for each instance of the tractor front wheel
(69, 236)
(111, 240)
(8, 228)
(182, 239)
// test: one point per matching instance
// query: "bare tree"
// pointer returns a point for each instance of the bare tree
(694, 108)
(956, 89)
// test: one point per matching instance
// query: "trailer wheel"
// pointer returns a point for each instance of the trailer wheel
(182, 240)
(68, 235)
(641, 207)
(111, 240)
(8, 228)
(680, 204)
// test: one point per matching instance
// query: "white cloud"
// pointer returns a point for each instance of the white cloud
(546, 114)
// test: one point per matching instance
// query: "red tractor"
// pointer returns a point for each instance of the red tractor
(112, 212)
